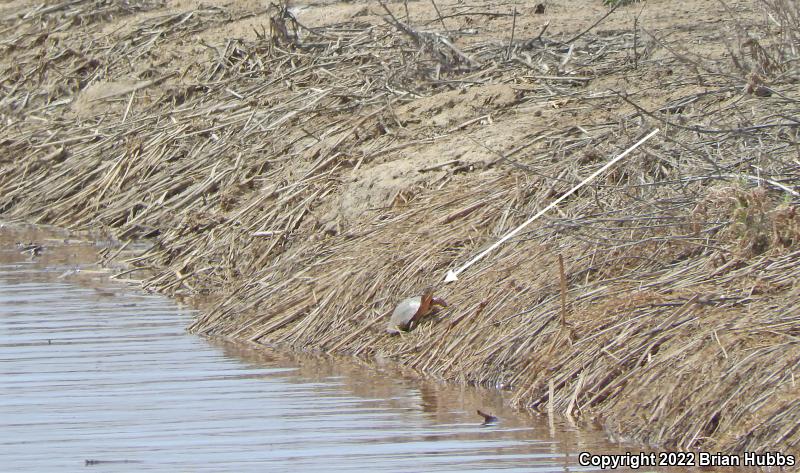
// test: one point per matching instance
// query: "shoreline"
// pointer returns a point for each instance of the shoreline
(306, 178)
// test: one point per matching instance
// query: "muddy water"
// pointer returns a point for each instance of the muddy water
(97, 376)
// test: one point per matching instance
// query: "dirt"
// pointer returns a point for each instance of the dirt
(94, 100)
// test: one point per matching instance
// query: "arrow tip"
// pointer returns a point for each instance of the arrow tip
(450, 276)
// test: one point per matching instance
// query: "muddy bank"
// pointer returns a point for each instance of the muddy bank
(307, 168)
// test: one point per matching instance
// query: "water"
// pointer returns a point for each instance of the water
(101, 377)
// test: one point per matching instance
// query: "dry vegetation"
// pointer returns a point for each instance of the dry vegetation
(304, 169)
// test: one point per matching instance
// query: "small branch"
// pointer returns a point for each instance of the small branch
(441, 20)
(580, 35)
(563, 278)
(513, 29)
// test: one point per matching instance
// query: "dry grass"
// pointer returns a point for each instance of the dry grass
(681, 264)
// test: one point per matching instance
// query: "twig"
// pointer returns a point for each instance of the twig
(600, 20)
(128, 107)
(439, 14)
(513, 29)
(563, 279)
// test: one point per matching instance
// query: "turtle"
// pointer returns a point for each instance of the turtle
(411, 310)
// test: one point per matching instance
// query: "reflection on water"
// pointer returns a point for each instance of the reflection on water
(97, 377)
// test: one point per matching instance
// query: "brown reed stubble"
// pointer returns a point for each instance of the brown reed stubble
(681, 279)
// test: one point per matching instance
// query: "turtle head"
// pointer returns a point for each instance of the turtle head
(438, 301)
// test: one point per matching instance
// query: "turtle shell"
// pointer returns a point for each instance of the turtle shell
(403, 313)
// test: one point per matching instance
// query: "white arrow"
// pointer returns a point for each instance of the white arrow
(452, 275)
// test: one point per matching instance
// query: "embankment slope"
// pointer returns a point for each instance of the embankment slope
(305, 169)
